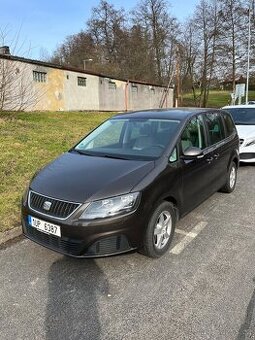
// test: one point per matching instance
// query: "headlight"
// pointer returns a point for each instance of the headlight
(250, 142)
(109, 207)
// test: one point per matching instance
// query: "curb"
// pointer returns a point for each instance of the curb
(10, 234)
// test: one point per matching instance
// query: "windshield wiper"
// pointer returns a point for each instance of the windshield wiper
(113, 156)
(81, 152)
(86, 153)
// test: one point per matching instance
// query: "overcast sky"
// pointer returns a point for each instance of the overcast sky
(44, 24)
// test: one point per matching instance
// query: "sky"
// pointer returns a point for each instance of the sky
(34, 28)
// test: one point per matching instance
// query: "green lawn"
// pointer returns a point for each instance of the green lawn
(217, 99)
(27, 142)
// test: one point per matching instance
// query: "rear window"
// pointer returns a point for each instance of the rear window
(215, 127)
(229, 124)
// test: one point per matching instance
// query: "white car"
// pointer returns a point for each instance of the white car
(244, 118)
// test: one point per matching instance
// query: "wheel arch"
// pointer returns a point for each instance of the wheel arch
(174, 201)
(235, 158)
(236, 161)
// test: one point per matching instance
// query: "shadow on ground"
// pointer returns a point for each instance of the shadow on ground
(72, 311)
(248, 327)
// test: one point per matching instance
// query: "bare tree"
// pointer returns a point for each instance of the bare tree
(189, 54)
(107, 28)
(75, 49)
(16, 91)
(135, 58)
(123, 46)
(147, 44)
(161, 28)
(234, 35)
(206, 24)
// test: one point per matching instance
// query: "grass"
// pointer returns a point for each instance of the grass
(27, 142)
(216, 99)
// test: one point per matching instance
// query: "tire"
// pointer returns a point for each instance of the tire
(159, 232)
(231, 179)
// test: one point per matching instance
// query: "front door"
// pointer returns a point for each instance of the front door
(196, 182)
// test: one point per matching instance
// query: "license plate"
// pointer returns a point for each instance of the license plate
(45, 227)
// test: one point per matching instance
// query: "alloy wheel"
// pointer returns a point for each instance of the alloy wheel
(162, 230)
(232, 177)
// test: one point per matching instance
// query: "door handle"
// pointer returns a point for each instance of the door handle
(209, 159)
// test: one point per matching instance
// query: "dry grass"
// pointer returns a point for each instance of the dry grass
(27, 142)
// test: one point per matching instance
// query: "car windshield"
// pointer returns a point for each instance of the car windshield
(129, 138)
(243, 116)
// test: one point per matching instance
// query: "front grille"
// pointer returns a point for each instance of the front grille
(59, 209)
(65, 245)
(247, 155)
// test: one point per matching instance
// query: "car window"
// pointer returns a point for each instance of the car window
(229, 124)
(215, 127)
(173, 157)
(193, 135)
(130, 138)
(109, 136)
(243, 115)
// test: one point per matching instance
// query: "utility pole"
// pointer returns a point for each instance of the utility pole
(248, 54)
(178, 78)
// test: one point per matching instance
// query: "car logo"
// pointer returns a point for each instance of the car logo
(47, 205)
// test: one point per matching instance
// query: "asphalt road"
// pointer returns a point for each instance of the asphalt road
(202, 289)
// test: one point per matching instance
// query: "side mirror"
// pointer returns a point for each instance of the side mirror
(192, 153)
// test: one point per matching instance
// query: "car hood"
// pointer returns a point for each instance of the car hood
(79, 178)
(245, 131)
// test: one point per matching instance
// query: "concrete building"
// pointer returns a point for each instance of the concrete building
(32, 85)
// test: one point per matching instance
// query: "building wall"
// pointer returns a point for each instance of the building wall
(60, 90)
(142, 96)
(130, 96)
(111, 94)
(51, 92)
(80, 97)
(17, 89)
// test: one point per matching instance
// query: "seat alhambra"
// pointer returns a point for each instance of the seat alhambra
(125, 185)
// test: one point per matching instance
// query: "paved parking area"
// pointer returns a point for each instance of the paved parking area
(202, 289)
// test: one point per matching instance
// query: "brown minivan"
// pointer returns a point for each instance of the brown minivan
(125, 185)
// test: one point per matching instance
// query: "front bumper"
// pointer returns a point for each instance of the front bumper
(88, 240)
(247, 157)
(247, 153)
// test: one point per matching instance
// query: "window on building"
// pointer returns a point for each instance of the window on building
(112, 85)
(134, 88)
(82, 81)
(39, 77)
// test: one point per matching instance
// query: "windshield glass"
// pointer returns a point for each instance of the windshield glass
(130, 138)
(243, 116)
